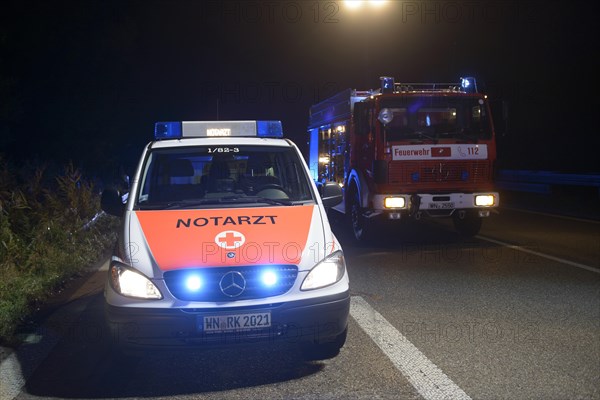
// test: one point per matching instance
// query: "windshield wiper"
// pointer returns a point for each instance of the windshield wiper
(422, 135)
(176, 204)
(215, 200)
(460, 135)
(256, 199)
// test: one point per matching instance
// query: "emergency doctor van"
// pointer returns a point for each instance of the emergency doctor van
(225, 240)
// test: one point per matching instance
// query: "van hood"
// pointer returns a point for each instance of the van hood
(227, 237)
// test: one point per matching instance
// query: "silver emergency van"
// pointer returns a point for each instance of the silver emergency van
(225, 240)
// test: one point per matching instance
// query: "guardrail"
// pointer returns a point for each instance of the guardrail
(542, 181)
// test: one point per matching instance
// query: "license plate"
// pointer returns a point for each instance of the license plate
(235, 322)
(441, 206)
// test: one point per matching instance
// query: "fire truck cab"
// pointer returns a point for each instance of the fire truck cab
(407, 150)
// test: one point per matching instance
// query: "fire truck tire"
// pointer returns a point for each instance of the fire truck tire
(467, 223)
(360, 226)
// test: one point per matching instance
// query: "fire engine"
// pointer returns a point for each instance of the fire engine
(407, 150)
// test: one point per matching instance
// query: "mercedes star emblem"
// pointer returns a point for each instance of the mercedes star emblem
(232, 284)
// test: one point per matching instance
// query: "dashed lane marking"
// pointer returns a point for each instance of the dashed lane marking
(425, 376)
(537, 253)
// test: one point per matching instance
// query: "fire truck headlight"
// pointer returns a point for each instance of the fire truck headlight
(130, 283)
(394, 202)
(325, 273)
(485, 200)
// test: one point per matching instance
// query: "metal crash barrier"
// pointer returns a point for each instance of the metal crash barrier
(542, 181)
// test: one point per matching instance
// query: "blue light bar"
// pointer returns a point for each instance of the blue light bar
(269, 129)
(178, 130)
(167, 130)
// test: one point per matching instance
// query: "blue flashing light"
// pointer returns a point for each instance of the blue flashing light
(269, 278)
(167, 130)
(271, 129)
(468, 84)
(193, 283)
(387, 84)
(464, 175)
(415, 176)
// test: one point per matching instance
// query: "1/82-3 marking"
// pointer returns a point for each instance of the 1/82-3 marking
(213, 150)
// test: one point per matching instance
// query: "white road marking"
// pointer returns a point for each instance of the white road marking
(537, 253)
(11, 377)
(425, 376)
(546, 214)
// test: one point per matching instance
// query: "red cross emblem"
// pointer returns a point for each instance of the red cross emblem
(230, 239)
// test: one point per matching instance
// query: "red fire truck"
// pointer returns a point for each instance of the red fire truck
(407, 150)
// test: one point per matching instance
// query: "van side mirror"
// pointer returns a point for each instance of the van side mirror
(112, 203)
(331, 194)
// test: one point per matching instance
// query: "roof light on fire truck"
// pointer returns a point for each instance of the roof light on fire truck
(468, 84)
(387, 84)
(394, 202)
(485, 200)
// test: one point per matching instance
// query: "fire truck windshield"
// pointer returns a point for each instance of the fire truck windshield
(434, 118)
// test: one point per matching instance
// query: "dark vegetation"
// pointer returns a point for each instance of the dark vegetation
(51, 229)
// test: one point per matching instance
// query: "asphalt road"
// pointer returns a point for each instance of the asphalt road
(511, 314)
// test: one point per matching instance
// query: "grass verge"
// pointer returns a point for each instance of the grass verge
(51, 229)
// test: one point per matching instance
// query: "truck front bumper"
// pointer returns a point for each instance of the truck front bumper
(438, 204)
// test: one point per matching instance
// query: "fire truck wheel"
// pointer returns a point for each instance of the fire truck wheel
(359, 224)
(467, 223)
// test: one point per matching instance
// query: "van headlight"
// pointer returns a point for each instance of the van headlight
(329, 271)
(130, 283)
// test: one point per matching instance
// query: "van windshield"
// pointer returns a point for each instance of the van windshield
(213, 176)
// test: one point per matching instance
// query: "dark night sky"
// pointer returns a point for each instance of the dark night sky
(86, 80)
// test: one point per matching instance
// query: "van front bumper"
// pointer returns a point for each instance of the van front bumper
(316, 320)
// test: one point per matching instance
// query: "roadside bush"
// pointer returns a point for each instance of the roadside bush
(45, 236)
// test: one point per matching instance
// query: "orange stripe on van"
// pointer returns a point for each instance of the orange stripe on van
(226, 237)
